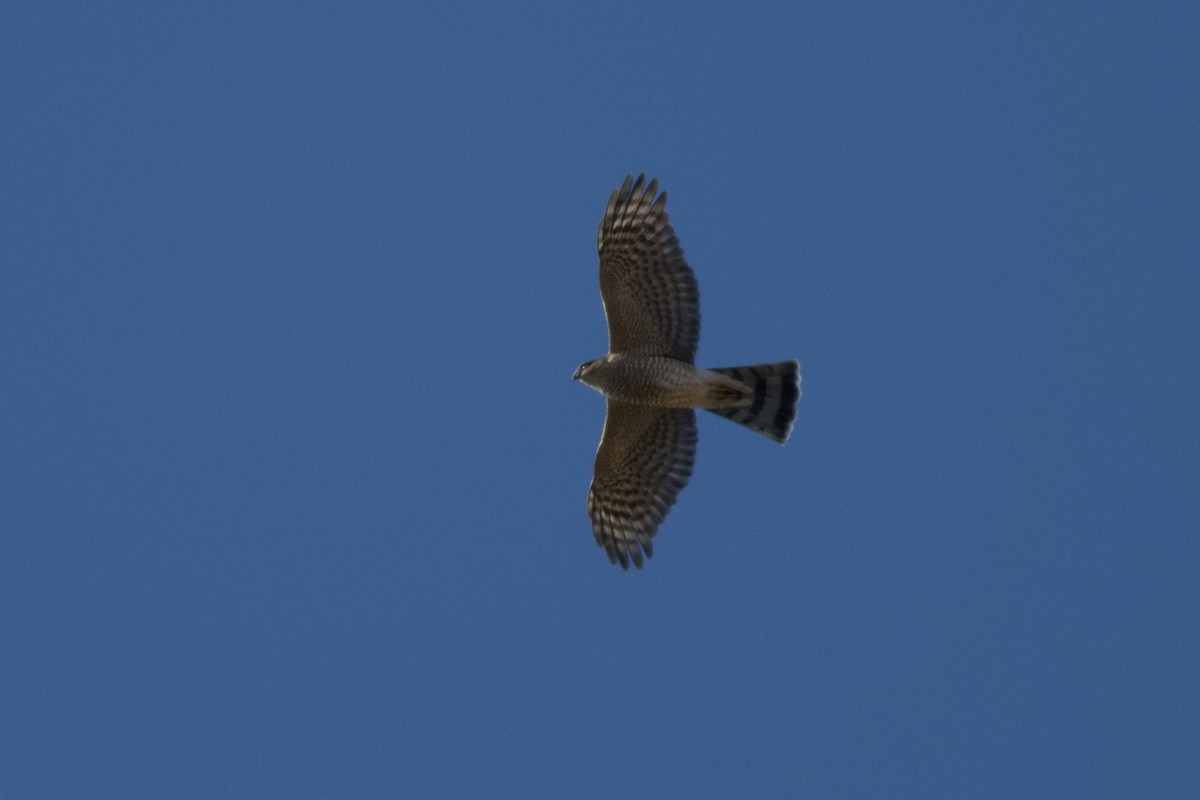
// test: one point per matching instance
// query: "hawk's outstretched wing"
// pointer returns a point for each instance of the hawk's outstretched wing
(650, 294)
(645, 459)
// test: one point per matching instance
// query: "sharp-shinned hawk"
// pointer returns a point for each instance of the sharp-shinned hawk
(652, 305)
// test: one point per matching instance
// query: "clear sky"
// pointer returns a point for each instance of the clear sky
(294, 471)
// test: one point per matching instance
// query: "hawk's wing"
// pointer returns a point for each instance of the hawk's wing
(650, 294)
(644, 461)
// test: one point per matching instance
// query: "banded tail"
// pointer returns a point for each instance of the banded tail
(776, 391)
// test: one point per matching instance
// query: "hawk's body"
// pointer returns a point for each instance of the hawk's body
(662, 382)
(653, 308)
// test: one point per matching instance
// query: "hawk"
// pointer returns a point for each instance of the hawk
(652, 305)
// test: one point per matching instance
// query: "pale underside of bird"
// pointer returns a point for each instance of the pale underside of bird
(652, 305)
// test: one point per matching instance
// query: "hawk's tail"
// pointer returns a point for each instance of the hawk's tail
(776, 391)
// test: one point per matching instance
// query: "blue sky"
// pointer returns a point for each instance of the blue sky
(293, 468)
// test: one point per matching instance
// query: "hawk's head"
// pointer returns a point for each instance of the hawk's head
(582, 369)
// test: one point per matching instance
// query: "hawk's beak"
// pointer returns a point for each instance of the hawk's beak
(578, 372)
